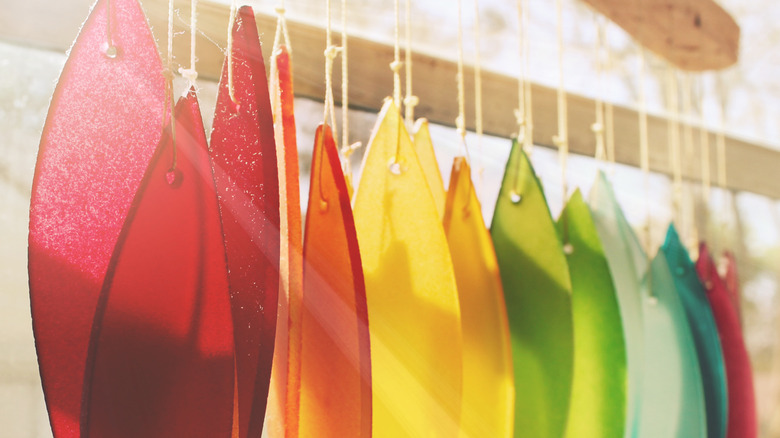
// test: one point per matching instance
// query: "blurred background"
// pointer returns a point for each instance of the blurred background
(745, 223)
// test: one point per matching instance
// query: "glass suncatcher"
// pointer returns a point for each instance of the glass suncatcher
(285, 373)
(245, 171)
(703, 329)
(104, 123)
(488, 379)
(623, 256)
(599, 389)
(742, 420)
(671, 400)
(335, 386)
(416, 340)
(537, 289)
(162, 341)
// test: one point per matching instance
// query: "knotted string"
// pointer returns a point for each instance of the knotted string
(460, 121)
(523, 113)
(598, 127)
(478, 84)
(562, 138)
(231, 23)
(674, 140)
(191, 74)
(410, 101)
(169, 76)
(347, 148)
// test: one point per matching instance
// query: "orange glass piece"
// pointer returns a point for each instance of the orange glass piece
(335, 352)
(245, 171)
(283, 400)
(488, 377)
(162, 341)
(103, 125)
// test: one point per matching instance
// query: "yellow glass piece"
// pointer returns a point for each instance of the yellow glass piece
(424, 147)
(488, 377)
(413, 312)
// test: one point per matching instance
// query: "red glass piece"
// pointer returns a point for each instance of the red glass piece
(162, 341)
(104, 122)
(335, 351)
(245, 172)
(283, 400)
(742, 421)
(732, 282)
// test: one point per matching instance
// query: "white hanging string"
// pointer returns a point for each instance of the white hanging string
(704, 145)
(562, 138)
(395, 66)
(347, 148)
(478, 82)
(644, 147)
(460, 121)
(331, 52)
(191, 74)
(609, 113)
(169, 76)
(598, 126)
(674, 141)
(690, 231)
(231, 23)
(410, 101)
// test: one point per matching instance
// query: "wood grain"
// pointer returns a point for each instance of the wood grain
(751, 167)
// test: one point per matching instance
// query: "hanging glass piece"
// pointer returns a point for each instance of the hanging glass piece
(742, 421)
(703, 329)
(104, 122)
(537, 290)
(625, 258)
(672, 395)
(335, 385)
(245, 172)
(423, 145)
(598, 398)
(284, 384)
(732, 282)
(162, 341)
(488, 380)
(416, 344)
(665, 391)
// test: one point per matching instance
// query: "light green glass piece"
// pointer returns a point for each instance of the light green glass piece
(598, 398)
(625, 259)
(537, 290)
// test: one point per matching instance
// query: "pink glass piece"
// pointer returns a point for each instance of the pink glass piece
(245, 172)
(162, 342)
(742, 420)
(103, 125)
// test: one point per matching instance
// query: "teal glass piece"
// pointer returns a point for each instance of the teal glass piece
(598, 396)
(625, 258)
(704, 331)
(537, 290)
(673, 399)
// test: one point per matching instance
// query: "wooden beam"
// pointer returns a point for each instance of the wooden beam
(750, 167)
(694, 35)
